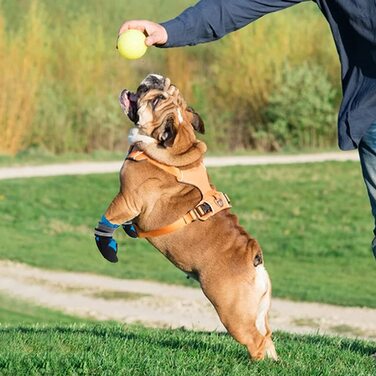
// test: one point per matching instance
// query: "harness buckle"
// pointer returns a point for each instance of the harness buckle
(203, 211)
(219, 201)
(227, 198)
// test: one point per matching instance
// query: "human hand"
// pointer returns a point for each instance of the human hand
(155, 33)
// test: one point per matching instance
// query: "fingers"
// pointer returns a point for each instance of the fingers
(155, 33)
(152, 39)
(135, 24)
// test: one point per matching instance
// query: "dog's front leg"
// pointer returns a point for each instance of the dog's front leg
(122, 209)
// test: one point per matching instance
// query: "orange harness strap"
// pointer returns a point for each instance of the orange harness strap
(212, 201)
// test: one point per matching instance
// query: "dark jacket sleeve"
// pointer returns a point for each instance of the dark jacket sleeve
(209, 20)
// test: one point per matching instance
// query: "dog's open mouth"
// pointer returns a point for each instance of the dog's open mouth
(128, 102)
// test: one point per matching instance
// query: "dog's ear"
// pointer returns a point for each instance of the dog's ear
(167, 137)
(196, 121)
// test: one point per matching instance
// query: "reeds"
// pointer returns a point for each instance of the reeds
(60, 77)
(21, 65)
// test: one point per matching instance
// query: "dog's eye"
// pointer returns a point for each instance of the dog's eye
(156, 100)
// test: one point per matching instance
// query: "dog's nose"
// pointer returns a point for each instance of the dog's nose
(132, 97)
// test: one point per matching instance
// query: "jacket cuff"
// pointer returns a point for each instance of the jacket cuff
(175, 33)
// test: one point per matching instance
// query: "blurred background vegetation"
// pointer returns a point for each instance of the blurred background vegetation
(270, 86)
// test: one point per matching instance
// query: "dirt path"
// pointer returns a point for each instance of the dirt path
(84, 168)
(160, 305)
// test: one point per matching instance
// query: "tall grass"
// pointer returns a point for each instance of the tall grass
(61, 73)
(21, 64)
(78, 108)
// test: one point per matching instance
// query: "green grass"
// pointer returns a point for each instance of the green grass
(313, 222)
(14, 311)
(114, 350)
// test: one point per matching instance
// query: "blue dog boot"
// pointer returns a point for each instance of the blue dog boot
(130, 229)
(107, 247)
(106, 244)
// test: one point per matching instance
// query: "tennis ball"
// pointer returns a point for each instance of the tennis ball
(131, 44)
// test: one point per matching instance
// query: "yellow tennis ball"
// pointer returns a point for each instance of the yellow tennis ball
(131, 44)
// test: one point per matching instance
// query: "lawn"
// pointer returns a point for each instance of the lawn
(115, 350)
(313, 222)
(14, 311)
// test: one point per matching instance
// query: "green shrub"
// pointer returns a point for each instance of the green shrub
(62, 126)
(301, 112)
(248, 65)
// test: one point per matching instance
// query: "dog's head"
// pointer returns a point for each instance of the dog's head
(160, 113)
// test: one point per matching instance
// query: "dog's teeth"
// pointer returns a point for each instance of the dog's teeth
(134, 136)
(180, 116)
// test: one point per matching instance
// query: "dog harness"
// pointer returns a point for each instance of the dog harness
(212, 201)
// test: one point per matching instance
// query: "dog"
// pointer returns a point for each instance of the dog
(212, 248)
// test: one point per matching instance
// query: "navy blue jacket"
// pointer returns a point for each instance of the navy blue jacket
(353, 24)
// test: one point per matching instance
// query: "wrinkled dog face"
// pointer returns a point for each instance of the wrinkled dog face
(158, 110)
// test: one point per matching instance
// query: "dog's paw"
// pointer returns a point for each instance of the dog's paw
(107, 247)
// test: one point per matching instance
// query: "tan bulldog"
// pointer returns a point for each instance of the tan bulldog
(166, 197)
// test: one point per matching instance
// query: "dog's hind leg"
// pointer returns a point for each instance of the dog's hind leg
(243, 309)
(263, 288)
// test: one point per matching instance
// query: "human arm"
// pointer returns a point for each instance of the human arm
(206, 21)
(210, 20)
